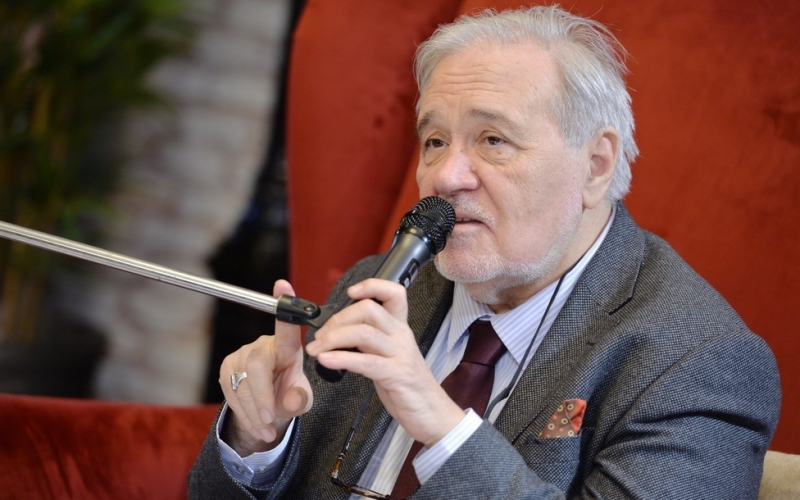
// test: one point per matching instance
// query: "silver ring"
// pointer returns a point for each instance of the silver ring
(236, 379)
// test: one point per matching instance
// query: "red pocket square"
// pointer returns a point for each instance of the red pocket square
(566, 421)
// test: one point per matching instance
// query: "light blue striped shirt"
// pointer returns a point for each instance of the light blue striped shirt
(515, 328)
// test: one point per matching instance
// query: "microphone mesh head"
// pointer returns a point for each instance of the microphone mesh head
(435, 217)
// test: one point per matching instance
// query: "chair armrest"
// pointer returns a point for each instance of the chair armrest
(55, 448)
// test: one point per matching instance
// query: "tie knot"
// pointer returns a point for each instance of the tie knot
(484, 346)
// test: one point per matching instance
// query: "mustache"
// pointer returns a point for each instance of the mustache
(468, 207)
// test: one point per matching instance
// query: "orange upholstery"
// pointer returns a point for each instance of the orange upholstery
(717, 100)
(350, 124)
(57, 449)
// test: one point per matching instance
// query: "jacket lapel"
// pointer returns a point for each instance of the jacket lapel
(607, 284)
(564, 346)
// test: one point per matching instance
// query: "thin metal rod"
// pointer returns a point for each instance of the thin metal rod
(207, 286)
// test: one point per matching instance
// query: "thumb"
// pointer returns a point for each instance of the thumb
(297, 401)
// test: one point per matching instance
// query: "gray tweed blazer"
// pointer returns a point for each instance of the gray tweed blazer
(682, 398)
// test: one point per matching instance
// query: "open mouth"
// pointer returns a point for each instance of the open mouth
(468, 220)
(471, 214)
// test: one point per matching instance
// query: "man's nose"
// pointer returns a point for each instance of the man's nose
(454, 172)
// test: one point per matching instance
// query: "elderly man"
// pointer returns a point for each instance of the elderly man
(615, 371)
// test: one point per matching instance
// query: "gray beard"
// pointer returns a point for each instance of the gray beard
(487, 278)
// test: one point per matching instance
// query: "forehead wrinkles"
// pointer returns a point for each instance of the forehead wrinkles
(504, 78)
(451, 79)
(468, 93)
(474, 69)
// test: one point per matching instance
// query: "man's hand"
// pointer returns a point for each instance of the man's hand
(275, 390)
(387, 354)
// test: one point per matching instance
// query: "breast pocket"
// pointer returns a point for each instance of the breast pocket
(555, 460)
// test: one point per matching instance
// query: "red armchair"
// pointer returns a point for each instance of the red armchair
(717, 104)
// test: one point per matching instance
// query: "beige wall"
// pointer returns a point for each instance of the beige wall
(191, 175)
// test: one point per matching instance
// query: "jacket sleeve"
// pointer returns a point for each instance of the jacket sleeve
(209, 480)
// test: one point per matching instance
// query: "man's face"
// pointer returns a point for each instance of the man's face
(490, 147)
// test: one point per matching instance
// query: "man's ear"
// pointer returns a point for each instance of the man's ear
(602, 152)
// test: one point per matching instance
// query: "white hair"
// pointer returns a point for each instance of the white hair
(590, 59)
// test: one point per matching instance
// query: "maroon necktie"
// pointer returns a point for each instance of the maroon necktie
(469, 385)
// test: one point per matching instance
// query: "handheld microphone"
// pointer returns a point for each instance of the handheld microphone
(422, 233)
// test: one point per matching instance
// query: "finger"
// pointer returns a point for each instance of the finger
(254, 399)
(234, 399)
(374, 367)
(287, 336)
(286, 369)
(361, 337)
(258, 397)
(257, 428)
(365, 326)
(268, 356)
(296, 401)
(391, 295)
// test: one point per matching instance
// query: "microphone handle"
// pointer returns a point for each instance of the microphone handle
(409, 253)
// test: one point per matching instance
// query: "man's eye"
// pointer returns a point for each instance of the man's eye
(494, 141)
(434, 143)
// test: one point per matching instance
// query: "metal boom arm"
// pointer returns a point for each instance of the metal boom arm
(286, 307)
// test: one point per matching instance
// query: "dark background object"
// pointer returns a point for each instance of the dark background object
(256, 254)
